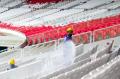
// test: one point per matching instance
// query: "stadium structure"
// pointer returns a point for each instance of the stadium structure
(31, 32)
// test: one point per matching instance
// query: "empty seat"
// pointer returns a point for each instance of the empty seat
(3, 9)
(114, 53)
(79, 49)
(103, 51)
(12, 13)
(60, 71)
(92, 4)
(83, 70)
(108, 71)
(86, 54)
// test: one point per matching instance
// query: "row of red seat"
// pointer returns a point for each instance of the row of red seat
(46, 33)
(60, 32)
(82, 27)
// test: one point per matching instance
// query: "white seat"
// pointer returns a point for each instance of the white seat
(60, 71)
(86, 54)
(2, 2)
(59, 4)
(114, 53)
(14, 3)
(81, 15)
(3, 9)
(79, 49)
(92, 3)
(103, 51)
(110, 70)
(112, 5)
(12, 13)
(83, 70)
(26, 17)
(70, 4)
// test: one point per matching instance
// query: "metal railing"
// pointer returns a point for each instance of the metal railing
(86, 37)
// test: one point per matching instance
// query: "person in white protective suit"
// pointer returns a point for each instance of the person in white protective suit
(68, 48)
